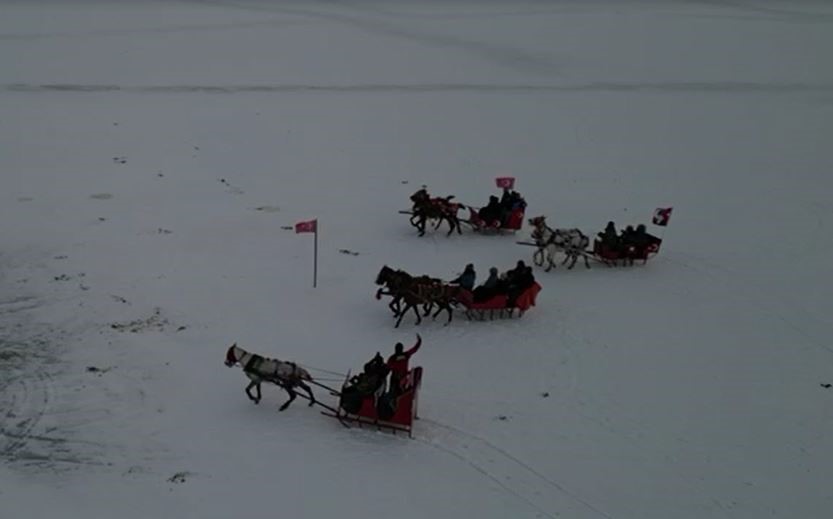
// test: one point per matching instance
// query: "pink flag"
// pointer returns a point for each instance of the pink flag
(505, 182)
(662, 215)
(308, 226)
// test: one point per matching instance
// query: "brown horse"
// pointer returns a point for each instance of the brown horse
(443, 295)
(396, 282)
(414, 291)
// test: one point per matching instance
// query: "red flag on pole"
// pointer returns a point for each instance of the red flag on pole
(662, 215)
(311, 226)
(308, 226)
(505, 182)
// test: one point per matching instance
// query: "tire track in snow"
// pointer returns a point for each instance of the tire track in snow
(665, 87)
(511, 475)
(28, 432)
(509, 57)
(17, 304)
(25, 398)
(172, 29)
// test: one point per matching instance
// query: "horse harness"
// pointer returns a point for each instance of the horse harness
(256, 361)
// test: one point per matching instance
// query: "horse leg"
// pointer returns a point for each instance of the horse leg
(255, 399)
(309, 392)
(292, 397)
(538, 257)
(574, 255)
(402, 314)
(427, 307)
(443, 306)
(550, 259)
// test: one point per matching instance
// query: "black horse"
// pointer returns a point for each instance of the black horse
(441, 209)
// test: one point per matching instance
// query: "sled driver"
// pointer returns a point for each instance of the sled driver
(398, 363)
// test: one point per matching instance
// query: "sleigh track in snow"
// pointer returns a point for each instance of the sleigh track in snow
(510, 480)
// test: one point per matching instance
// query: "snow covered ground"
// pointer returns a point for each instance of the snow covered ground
(153, 152)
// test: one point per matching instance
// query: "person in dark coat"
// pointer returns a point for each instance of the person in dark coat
(522, 281)
(512, 274)
(626, 239)
(642, 240)
(466, 279)
(510, 201)
(376, 371)
(506, 201)
(517, 280)
(489, 287)
(609, 236)
(491, 212)
(491, 281)
(525, 279)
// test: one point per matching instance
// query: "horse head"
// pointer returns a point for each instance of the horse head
(384, 275)
(231, 357)
(541, 233)
(420, 196)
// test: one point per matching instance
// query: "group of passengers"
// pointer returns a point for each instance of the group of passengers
(498, 210)
(374, 376)
(511, 283)
(630, 241)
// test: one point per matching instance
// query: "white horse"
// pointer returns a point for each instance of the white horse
(287, 375)
(571, 242)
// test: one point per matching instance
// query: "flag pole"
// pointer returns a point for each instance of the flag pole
(315, 258)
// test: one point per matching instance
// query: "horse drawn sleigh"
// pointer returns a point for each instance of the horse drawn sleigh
(610, 248)
(364, 399)
(500, 304)
(511, 297)
(500, 215)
